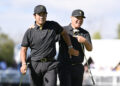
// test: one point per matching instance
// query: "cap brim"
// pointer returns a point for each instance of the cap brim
(78, 15)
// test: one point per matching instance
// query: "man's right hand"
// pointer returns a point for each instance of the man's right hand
(73, 52)
(23, 69)
(32, 26)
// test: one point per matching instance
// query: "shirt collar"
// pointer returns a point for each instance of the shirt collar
(71, 29)
(36, 26)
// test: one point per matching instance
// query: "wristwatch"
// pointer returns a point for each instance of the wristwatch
(70, 46)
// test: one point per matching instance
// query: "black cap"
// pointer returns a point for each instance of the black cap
(39, 8)
(78, 12)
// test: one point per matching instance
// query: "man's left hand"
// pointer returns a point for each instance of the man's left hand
(73, 52)
(81, 39)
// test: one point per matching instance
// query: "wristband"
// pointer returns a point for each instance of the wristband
(24, 64)
(70, 46)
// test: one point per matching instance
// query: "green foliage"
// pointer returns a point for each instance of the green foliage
(6, 49)
(118, 31)
(96, 35)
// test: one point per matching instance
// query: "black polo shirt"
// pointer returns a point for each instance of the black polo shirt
(42, 42)
(63, 49)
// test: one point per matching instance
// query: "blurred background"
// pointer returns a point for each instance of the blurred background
(102, 21)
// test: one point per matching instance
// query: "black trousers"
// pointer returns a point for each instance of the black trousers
(71, 75)
(43, 73)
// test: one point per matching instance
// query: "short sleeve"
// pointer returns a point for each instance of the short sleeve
(26, 39)
(58, 28)
(88, 38)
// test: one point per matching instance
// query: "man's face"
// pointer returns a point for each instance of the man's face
(40, 18)
(76, 22)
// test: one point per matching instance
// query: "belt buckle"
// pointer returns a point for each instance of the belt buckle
(73, 64)
(43, 60)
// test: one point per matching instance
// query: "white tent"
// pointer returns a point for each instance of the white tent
(106, 53)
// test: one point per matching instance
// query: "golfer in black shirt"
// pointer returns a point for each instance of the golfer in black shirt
(41, 40)
(70, 69)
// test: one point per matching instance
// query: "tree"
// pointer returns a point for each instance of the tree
(96, 35)
(6, 49)
(118, 31)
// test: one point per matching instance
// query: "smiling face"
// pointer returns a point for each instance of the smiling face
(76, 21)
(40, 18)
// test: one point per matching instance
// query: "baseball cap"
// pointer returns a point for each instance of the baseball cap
(39, 8)
(78, 12)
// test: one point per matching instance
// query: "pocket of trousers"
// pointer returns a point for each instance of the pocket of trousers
(53, 65)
